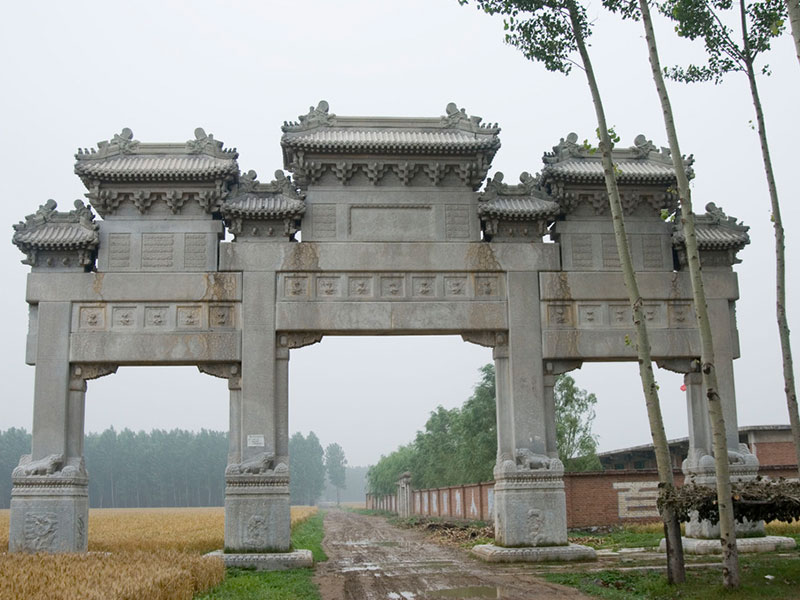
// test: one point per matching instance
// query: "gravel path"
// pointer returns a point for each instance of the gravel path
(368, 559)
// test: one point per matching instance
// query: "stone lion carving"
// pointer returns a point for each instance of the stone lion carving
(527, 459)
(44, 466)
(256, 465)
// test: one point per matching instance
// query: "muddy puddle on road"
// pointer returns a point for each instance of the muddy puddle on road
(369, 559)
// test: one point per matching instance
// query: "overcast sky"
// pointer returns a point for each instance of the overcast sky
(74, 73)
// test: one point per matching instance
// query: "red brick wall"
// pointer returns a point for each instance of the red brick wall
(775, 453)
(593, 499)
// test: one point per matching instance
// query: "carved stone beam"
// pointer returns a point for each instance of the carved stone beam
(230, 371)
(80, 373)
(679, 365)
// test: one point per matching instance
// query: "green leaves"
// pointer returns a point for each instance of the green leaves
(541, 29)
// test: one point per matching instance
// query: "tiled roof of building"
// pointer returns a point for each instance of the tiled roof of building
(716, 231)
(516, 202)
(254, 200)
(455, 133)
(48, 229)
(144, 167)
(526, 207)
(642, 163)
(125, 159)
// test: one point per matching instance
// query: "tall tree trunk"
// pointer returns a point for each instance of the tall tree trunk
(780, 248)
(794, 20)
(675, 561)
(727, 522)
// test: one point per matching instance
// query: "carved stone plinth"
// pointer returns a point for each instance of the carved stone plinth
(273, 561)
(492, 553)
(49, 513)
(257, 513)
(530, 505)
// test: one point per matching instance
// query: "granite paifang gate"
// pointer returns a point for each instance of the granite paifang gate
(402, 233)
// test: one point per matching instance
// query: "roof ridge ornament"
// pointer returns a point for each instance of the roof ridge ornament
(316, 117)
(122, 143)
(458, 118)
(282, 184)
(202, 142)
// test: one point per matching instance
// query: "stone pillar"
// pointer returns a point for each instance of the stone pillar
(552, 369)
(50, 495)
(404, 495)
(257, 488)
(503, 399)
(529, 502)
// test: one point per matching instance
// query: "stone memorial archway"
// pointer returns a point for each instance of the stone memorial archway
(396, 239)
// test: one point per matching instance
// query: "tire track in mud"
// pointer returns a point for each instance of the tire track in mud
(369, 559)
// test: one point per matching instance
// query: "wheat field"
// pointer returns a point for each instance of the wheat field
(148, 553)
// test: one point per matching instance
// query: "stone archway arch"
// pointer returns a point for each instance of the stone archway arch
(397, 239)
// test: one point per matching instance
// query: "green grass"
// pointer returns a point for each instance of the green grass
(624, 537)
(292, 584)
(702, 583)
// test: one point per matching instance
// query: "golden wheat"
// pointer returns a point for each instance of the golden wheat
(152, 553)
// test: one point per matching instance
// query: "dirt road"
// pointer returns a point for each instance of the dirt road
(368, 559)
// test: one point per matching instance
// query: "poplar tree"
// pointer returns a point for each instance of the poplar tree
(640, 9)
(793, 7)
(549, 31)
(759, 23)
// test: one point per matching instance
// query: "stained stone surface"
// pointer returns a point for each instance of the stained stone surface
(400, 237)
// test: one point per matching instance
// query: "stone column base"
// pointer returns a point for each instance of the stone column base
(530, 507)
(257, 517)
(767, 543)
(492, 553)
(49, 513)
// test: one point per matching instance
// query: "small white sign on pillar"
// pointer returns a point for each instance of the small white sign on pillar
(255, 441)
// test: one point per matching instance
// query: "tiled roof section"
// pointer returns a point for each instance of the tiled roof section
(152, 167)
(48, 229)
(642, 163)
(125, 159)
(389, 141)
(630, 171)
(715, 231)
(455, 133)
(278, 199)
(518, 208)
(256, 206)
(526, 201)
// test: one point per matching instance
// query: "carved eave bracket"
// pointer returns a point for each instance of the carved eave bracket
(298, 339)
(230, 371)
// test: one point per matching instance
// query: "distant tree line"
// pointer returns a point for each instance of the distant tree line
(170, 468)
(459, 446)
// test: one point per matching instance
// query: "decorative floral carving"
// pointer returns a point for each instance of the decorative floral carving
(40, 530)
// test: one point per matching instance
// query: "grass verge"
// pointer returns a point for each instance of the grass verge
(763, 576)
(292, 584)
